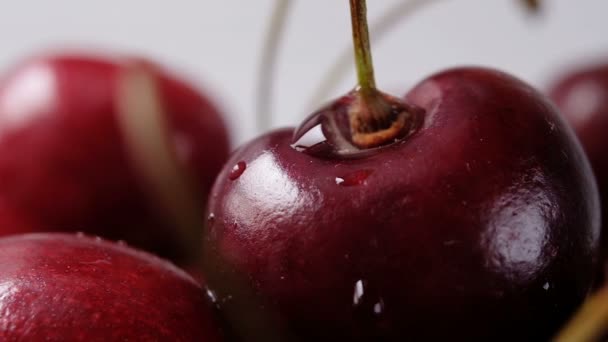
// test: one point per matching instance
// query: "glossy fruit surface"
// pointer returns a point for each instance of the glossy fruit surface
(59, 287)
(582, 97)
(482, 224)
(66, 165)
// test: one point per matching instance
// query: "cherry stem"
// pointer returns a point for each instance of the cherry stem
(590, 322)
(363, 55)
(372, 116)
(266, 69)
(143, 124)
(392, 17)
(532, 5)
(379, 28)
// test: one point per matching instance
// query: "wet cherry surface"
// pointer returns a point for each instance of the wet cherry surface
(482, 224)
(64, 163)
(582, 97)
(59, 287)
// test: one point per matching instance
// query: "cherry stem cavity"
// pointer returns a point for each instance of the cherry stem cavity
(372, 116)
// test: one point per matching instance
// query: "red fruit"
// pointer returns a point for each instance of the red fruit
(582, 97)
(481, 224)
(58, 287)
(67, 164)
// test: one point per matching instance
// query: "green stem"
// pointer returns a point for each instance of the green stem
(363, 55)
(378, 30)
(532, 5)
(144, 127)
(590, 322)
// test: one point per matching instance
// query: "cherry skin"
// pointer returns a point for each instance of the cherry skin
(60, 287)
(582, 97)
(65, 163)
(482, 224)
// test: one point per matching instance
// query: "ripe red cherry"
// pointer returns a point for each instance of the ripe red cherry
(59, 287)
(466, 211)
(582, 97)
(482, 223)
(68, 162)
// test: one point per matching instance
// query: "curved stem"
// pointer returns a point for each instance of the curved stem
(268, 63)
(590, 322)
(363, 55)
(532, 5)
(378, 29)
(143, 124)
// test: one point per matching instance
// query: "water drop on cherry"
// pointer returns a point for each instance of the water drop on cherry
(237, 170)
(355, 178)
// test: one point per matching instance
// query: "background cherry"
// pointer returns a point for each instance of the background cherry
(72, 158)
(480, 222)
(582, 97)
(58, 287)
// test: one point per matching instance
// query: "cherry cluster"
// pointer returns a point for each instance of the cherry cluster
(467, 209)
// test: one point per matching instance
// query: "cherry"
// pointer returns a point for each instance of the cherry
(466, 211)
(59, 287)
(79, 151)
(582, 97)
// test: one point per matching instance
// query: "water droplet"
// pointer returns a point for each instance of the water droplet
(356, 178)
(359, 292)
(212, 296)
(211, 219)
(367, 301)
(98, 239)
(546, 286)
(237, 170)
(379, 307)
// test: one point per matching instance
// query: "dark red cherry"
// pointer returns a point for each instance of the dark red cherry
(480, 224)
(71, 159)
(59, 287)
(582, 97)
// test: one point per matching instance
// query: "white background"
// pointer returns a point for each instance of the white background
(217, 43)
